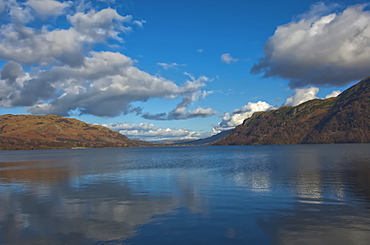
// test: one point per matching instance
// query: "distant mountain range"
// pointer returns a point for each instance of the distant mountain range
(209, 140)
(187, 142)
(173, 142)
(25, 132)
(344, 119)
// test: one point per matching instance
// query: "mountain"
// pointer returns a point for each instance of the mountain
(348, 120)
(173, 142)
(24, 132)
(195, 142)
(209, 140)
(345, 118)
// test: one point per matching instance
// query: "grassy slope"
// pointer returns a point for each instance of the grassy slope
(47, 132)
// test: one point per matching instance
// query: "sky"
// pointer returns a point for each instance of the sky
(164, 70)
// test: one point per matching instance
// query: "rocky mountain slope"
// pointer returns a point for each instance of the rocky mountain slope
(334, 120)
(23, 132)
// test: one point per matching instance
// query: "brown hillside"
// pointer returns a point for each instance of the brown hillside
(348, 120)
(287, 125)
(344, 119)
(48, 132)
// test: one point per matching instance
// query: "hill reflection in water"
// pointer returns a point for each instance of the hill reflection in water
(306, 194)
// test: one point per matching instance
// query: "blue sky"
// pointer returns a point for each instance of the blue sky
(176, 69)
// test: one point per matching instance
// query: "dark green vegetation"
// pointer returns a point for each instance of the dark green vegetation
(27, 132)
(345, 119)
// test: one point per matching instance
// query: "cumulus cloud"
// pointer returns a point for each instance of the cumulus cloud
(230, 121)
(11, 71)
(46, 8)
(97, 26)
(305, 94)
(105, 85)
(18, 14)
(32, 46)
(301, 95)
(228, 59)
(68, 77)
(150, 132)
(190, 93)
(319, 48)
(333, 94)
(167, 66)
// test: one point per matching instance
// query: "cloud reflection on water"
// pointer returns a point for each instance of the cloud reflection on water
(281, 194)
(99, 207)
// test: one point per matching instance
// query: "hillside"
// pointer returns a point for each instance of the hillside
(194, 142)
(348, 120)
(209, 140)
(334, 120)
(23, 132)
(173, 142)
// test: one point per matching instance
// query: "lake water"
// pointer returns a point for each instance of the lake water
(298, 194)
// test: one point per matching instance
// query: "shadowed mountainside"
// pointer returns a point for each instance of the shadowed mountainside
(209, 140)
(193, 142)
(344, 119)
(25, 132)
(348, 120)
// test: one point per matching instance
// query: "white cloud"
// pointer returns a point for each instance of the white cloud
(67, 77)
(305, 94)
(239, 115)
(301, 95)
(44, 47)
(19, 15)
(105, 85)
(228, 59)
(167, 66)
(40, 48)
(150, 132)
(139, 22)
(46, 8)
(190, 93)
(333, 94)
(200, 112)
(200, 50)
(320, 49)
(97, 26)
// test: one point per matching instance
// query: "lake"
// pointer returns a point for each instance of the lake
(296, 194)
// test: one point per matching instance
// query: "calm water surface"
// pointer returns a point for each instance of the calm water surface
(300, 194)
